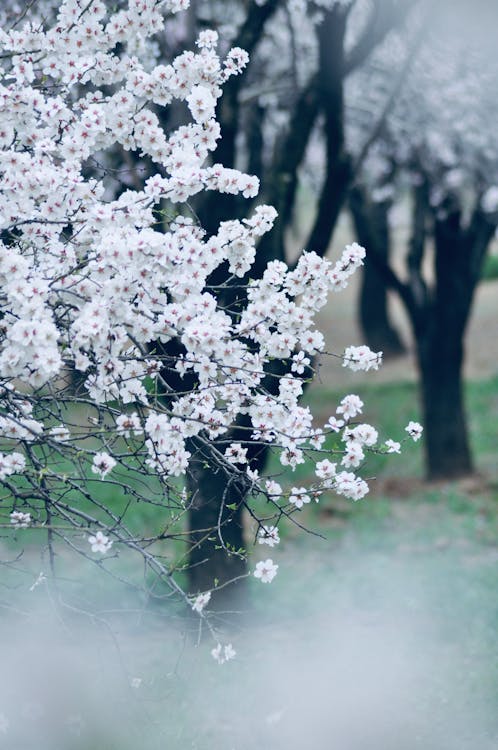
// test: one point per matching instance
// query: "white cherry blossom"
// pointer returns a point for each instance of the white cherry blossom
(268, 535)
(20, 520)
(265, 570)
(100, 542)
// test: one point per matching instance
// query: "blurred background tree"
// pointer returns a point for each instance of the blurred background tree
(438, 152)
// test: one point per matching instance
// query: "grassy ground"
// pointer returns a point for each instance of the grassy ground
(383, 635)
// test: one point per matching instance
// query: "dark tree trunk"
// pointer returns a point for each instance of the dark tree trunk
(254, 138)
(217, 557)
(372, 230)
(216, 531)
(447, 447)
(459, 253)
(338, 166)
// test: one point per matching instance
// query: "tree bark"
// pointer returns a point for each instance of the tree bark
(372, 230)
(447, 448)
(216, 556)
(338, 166)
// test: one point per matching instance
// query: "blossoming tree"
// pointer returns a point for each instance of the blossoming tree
(270, 121)
(442, 142)
(98, 281)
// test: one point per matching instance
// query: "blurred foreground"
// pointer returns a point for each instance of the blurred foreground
(382, 637)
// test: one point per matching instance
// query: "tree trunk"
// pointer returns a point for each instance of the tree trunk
(216, 557)
(372, 231)
(441, 356)
(338, 167)
(440, 343)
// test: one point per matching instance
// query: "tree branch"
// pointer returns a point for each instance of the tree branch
(248, 37)
(391, 100)
(380, 22)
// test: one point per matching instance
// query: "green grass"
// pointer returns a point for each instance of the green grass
(490, 268)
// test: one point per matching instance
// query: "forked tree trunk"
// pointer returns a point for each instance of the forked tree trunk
(459, 253)
(439, 314)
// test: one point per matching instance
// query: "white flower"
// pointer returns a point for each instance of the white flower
(325, 469)
(201, 103)
(207, 39)
(200, 601)
(353, 255)
(299, 362)
(222, 654)
(299, 497)
(266, 570)
(103, 464)
(392, 446)
(334, 424)
(11, 463)
(273, 488)
(364, 434)
(60, 433)
(317, 439)
(361, 358)
(100, 542)
(128, 423)
(414, 429)
(268, 535)
(350, 406)
(349, 485)
(217, 654)
(353, 455)
(20, 520)
(236, 454)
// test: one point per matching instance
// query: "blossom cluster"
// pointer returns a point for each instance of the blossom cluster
(97, 282)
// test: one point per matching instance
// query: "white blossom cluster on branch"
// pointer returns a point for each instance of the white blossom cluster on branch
(94, 288)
